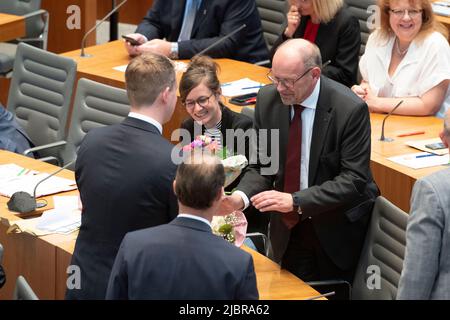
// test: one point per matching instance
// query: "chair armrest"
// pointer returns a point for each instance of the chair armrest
(36, 13)
(263, 63)
(342, 288)
(267, 245)
(45, 146)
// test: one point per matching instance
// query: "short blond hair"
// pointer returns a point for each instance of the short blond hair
(326, 10)
(146, 77)
(429, 22)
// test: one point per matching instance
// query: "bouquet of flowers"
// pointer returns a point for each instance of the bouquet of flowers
(232, 227)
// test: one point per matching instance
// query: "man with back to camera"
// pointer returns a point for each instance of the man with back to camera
(124, 174)
(184, 260)
(323, 192)
(189, 26)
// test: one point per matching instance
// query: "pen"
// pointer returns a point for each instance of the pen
(255, 87)
(21, 171)
(425, 155)
(411, 134)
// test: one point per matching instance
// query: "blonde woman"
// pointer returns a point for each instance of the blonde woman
(329, 25)
(407, 58)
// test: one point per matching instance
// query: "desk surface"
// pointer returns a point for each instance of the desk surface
(43, 261)
(11, 27)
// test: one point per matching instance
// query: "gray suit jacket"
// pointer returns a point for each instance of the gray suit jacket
(426, 269)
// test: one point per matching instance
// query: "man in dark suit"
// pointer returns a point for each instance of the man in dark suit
(323, 189)
(12, 137)
(184, 259)
(124, 173)
(188, 31)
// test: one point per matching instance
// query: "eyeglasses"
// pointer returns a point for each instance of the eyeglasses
(400, 13)
(201, 101)
(287, 83)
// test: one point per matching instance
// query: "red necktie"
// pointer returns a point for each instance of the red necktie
(292, 167)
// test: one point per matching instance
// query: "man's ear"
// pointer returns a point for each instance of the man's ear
(165, 95)
(316, 72)
(220, 194)
(174, 186)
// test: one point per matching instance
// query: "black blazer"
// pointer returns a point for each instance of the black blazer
(124, 174)
(339, 41)
(182, 260)
(230, 120)
(341, 190)
(215, 19)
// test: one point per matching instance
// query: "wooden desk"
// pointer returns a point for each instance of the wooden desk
(11, 27)
(43, 261)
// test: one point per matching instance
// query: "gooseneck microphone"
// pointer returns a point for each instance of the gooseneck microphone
(83, 41)
(383, 138)
(23, 202)
(220, 40)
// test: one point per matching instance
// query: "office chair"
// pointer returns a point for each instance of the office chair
(95, 105)
(23, 291)
(383, 252)
(40, 95)
(273, 21)
(36, 26)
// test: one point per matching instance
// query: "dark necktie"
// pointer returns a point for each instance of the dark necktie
(292, 166)
(188, 21)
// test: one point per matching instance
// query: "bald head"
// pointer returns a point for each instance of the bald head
(298, 52)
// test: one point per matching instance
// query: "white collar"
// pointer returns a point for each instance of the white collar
(191, 216)
(142, 117)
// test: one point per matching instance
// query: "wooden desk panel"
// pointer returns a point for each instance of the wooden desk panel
(11, 27)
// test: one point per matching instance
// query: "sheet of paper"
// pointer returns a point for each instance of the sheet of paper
(420, 160)
(239, 87)
(11, 170)
(420, 145)
(66, 202)
(27, 183)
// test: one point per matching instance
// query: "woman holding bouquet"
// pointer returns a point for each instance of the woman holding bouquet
(201, 95)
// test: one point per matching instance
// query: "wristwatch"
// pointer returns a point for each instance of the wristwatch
(296, 201)
(173, 51)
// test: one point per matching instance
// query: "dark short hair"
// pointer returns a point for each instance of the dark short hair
(199, 180)
(147, 76)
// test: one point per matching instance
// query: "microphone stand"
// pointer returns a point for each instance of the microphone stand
(383, 138)
(83, 41)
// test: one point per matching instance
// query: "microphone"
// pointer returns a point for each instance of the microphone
(221, 40)
(332, 293)
(83, 41)
(382, 138)
(23, 202)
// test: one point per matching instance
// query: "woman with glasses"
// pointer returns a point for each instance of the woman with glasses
(330, 25)
(407, 58)
(201, 95)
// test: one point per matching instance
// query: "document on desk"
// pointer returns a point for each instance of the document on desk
(240, 87)
(441, 8)
(421, 145)
(11, 170)
(420, 160)
(27, 183)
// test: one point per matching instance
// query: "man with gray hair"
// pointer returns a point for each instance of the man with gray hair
(124, 174)
(322, 195)
(426, 268)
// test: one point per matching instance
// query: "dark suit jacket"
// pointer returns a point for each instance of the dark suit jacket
(339, 41)
(12, 137)
(215, 19)
(124, 173)
(181, 260)
(341, 189)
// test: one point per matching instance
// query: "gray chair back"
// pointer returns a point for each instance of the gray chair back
(23, 291)
(35, 25)
(40, 94)
(384, 251)
(273, 19)
(359, 9)
(95, 105)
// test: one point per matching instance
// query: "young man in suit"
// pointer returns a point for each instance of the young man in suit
(425, 274)
(189, 26)
(124, 174)
(184, 259)
(322, 194)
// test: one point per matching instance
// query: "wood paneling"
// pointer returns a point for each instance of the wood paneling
(132, 12)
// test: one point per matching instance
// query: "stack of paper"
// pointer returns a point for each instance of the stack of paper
(441, 8)
(11, 170)
(240, 87)
(420, 160)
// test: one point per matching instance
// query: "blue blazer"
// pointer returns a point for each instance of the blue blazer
(182, 260)
(215, 19)
(12, 137)
(124, 174)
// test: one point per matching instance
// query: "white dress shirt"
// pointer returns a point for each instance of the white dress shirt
(308, 115)
(146, 119)
(425, 65)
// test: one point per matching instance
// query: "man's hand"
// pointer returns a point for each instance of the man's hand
(156, 46)
(293, 21)
(230, 204)
(132, 50)
(273, 201)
